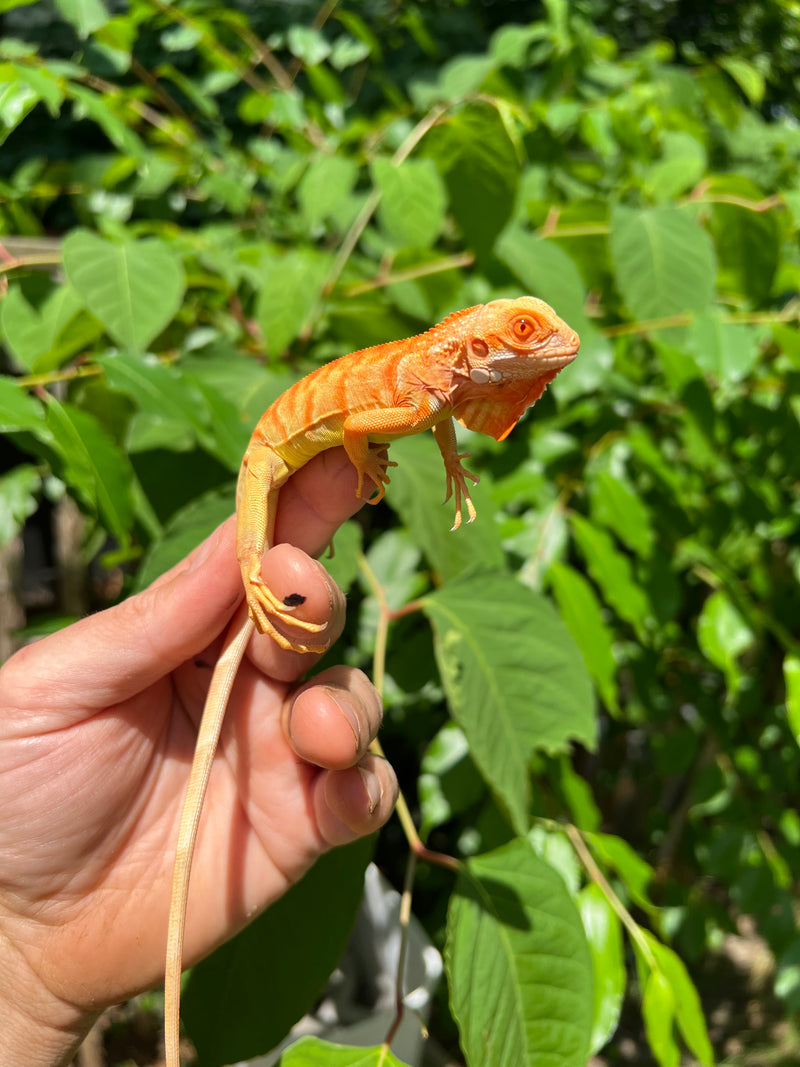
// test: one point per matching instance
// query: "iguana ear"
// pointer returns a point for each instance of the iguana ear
(496, 413)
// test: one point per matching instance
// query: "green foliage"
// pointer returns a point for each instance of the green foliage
(198, 205)
(226, 993)
(514, 933)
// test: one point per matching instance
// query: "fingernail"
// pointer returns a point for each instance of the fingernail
(372, 787)
(350, 717)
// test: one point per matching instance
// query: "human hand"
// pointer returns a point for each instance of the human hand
(97, 729)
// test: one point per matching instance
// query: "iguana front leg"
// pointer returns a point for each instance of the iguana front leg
(455, 472)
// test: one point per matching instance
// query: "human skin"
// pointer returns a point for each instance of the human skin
(97, 729)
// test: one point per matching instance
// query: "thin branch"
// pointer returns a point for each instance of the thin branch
(405, 927)
(44, 259)
(169, 101)
(422, 270)
(240, 69)
(385, 615)
(365, 214)
(144, 111)
(597, 876)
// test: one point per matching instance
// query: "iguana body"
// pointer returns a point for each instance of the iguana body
(483, 366)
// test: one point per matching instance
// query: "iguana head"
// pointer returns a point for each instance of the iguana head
(510, 351)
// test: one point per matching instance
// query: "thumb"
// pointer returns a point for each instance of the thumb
(114, 654)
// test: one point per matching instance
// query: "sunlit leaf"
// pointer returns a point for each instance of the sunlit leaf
(480, 166)
(612, 572)
(314, 1052)
(663, 261)
(791, 678)
(723, 634)
(518, 964)
(604, 935)
(417, 495)
(725, 350)
(514, 679)
(85, 16)
(581, 612)
(133, 288)
(18, 499)
(290, 294)
(326, 183)
(413, 201)
(94, 465)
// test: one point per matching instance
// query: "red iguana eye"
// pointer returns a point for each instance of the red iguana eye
(524, 327)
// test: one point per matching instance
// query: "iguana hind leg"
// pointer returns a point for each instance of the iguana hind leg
(262, 475)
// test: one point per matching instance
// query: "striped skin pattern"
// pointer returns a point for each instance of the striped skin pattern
(483, 366)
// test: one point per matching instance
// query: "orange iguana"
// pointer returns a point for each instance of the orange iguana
(483, 366)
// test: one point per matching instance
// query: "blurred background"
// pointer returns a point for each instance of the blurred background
(200, 201)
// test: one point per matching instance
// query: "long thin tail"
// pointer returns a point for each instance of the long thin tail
(207, 737)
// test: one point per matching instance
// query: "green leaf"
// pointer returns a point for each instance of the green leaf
(604, 934)
(95, 107)
(663, 261)
(32, 331)
(688, 1010)
(416, 494)
(314, 1052)
(184, 532)
(464, 76)
(612, 572)
(616, 506)
(682, 165)
(228, 436)
(448, 782)
(514, 679)
(394, 559)
(518, 964)
(94, 466)
(791, 679)
(19, 489)
(158, 389)
(635, 873)
(85, 16)
(481, 169)
(580, 610)
(16, 100)
(9, 5)
(290, 294)
(307, 44)
(326, 184)
(723, 635)
(658, 1013)
(546, 271)
(283, 959)
(44, 83)
(727, 351)
(748, 242)
(748, 77)
(343, 564)
(134, 288)
(19, 411)
(413, 201)
(347, 51)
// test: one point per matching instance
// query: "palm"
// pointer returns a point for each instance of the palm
(95, 744)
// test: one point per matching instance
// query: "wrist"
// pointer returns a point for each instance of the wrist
(37, 1028)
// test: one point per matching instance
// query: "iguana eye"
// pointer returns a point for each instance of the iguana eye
(524, 327)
